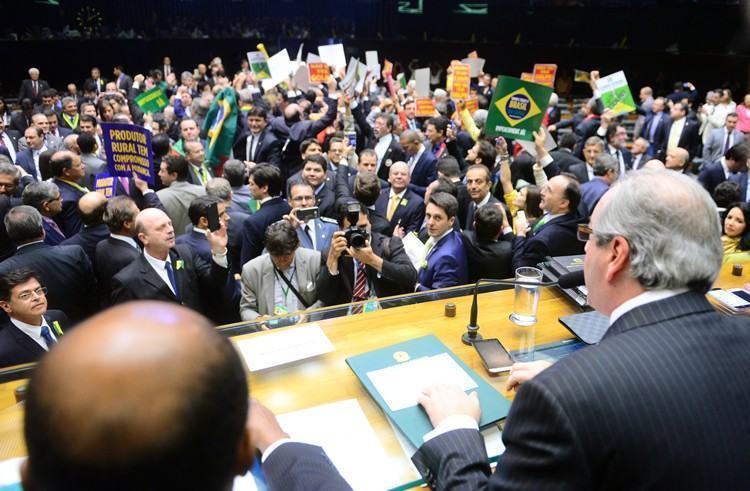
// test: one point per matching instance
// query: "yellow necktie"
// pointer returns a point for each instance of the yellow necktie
(204, 175)
(392, 206)
(674, 137)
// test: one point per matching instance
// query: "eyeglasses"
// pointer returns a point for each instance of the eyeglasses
(39, 292)
(584, 232)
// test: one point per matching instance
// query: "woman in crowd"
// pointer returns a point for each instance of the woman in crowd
(736, 236)
(4, 112)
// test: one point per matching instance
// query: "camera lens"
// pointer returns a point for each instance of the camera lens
(358, 240)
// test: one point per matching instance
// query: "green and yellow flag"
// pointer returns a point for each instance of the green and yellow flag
(152, 101)
(517, 108)
(220, 126)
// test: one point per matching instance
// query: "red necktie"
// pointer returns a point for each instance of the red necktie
(360, 288)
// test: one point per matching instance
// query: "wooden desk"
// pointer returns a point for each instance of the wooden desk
(328, 378)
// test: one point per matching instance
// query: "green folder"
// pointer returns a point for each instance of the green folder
(413, 421)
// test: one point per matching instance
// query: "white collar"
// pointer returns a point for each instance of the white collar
(438, 239)
(128, 240)
(29, 243)
(34, 332)
(485, 200)
(400, 195)
(646, 297)
(199, 230)
(157, 264)
(24, 326)
(267, 198)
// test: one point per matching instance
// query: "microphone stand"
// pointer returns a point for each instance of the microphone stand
(472, 330)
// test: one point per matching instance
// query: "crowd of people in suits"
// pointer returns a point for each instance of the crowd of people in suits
(332, 197)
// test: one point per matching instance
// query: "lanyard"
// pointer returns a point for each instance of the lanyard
(280, 275)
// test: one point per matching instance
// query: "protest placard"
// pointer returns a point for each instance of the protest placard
(460, 82)
(422, 79)
(128, 150)
(333, 55)
(105, 184)
(152, 101)
(527, 77)
(517, 108)
(476, 65)
(472, 105)
(259, 64)
(425, 108)
(615, 93)
(544, 74)
(319, 72)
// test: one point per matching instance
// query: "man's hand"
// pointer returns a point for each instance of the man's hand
(398, 231)
(332, 85)
(364, 255)
(441, 401)
(292, 218)
(218, 240)
(139, 78)
(522, 226)
(523, 372)
(338, 246)
(21, 171)
(140, 183)
(501, 146)
(607, 118)
(539, 139)
(594, 79)
(263, 425)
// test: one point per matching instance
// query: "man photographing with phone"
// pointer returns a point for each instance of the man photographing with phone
(314, 231)
(361, 265)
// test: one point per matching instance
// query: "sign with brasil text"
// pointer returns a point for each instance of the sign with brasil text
(128, 149)
(615, 93)
(517, 108)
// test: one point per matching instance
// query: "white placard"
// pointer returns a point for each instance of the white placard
(284, 346)
(371, 59)
(476, 65)
(422, 78)
(333, 55)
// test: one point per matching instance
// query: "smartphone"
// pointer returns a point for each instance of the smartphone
(494, 357)
(306, 214)
(521, 215)
(352, 137)
(743, 294)
(212, 215)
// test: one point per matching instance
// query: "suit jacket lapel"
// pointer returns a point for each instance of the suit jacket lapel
(180, 274)
(24, 341)
(152, 278)
(269, 278)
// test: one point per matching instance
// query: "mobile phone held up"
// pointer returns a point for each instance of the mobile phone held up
(212, 215)
(307, 214)
(494, 357)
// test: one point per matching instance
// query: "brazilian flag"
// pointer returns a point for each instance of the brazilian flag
(517, 108)
(220, 126)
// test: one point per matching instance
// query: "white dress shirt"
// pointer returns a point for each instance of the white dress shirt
(160, 267)
(35, 332)
(415, 158)
(9, 145)
(128, 240)
(382, 147)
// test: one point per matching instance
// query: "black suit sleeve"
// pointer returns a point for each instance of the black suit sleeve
(298, 466)
(273, 153)
(343, 193)
(321, 124)
(120, 291)
(398, 267)
(330, 288)
(453, 149)
(528, 252)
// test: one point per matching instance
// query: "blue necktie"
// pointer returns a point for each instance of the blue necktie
(48, 337)
(172, 280)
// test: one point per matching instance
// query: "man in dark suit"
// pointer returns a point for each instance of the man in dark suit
(313, 233)
(403, 208)
(10, 196)
(381, 139)
(9, 140)
(581, 424)
(445, 262)
(584, 171)
(605, 174)
(350, 274)
(564, 156)
(173, 273)
(291, 129)
(680, 132)
(32, 87)
(258, 143)
(28, 159)
(616, 137)
(172, 351)
(67, 170)
(488, 250)
(30, 330)
(477, 195)
(590, 124)
(123, 81)
(120, 248)
(199, 171)
(20, 120)
(196, 238)
(314, 174)
(366, 190)
(554, 234)
(91, 208)
(266, 185)
(95, 83)
(654, 126)
(714, 173)
(65, 270)
(422, 164)
(220, 188)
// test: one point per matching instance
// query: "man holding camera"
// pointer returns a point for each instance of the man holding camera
(361, 264)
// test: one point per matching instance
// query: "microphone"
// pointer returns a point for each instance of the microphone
(567, 280)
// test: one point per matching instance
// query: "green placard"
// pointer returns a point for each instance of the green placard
(615, 93)
(517, 108)
(152, 101)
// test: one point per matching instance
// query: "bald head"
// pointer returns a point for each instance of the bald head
(292, 111)
(654, 164)
(676, 159)
(145, 395)
(154, 229)
(90, 201)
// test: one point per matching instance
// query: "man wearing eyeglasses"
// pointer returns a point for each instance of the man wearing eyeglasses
(30, 330)
(554, 234)
(313, 233)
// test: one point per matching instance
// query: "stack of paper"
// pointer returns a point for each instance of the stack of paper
(280, 347)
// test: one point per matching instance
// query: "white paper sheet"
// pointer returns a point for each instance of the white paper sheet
(422, 78)
(401, 384)
(476, 65)
(286, 346)
(10, 471)
(313, 58)
(333, 55)
(302, 78)
(549, 144)
(371, 59)
(343, 431)
(414, 249)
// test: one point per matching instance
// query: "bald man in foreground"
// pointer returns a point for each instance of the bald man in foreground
(148, 396)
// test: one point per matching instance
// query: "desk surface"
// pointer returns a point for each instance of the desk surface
(328, 378)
